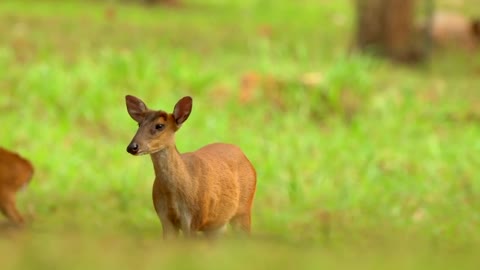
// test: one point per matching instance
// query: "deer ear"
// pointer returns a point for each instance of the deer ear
(182, 110)
(136, 108)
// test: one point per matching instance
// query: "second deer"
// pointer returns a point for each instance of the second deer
(200, 191)
(15, 173)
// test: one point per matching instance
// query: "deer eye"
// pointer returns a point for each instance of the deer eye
(159, 126)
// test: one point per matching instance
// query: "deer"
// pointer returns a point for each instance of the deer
(455, 30)
(194, 192)
(15, 173)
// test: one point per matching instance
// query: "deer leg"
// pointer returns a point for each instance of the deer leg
(169, 230)
(241, 222)
(9, 209)
(215, 233)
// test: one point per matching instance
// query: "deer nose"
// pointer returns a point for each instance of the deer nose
(132, 148)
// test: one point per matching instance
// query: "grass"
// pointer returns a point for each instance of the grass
(357, 159)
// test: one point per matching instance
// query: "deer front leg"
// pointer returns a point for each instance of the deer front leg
(9, 209)
(186, 223)
(169, 230)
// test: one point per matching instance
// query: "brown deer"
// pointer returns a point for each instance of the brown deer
(200, 191)
(455, 30)
(15, 173)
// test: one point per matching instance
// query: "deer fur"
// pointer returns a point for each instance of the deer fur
(15, 173)
(455, 30)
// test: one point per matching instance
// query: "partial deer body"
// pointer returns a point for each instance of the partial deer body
(200, 191)
(15, 173)
(455, 30)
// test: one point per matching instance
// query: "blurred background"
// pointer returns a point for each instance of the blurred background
(360, 116)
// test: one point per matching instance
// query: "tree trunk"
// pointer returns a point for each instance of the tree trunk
(386, 27)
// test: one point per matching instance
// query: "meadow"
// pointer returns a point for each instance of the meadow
(361, 163)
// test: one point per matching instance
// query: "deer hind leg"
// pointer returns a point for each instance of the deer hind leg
(241, 222)
(215, 233)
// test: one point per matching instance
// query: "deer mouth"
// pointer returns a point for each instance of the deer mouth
(136, 150)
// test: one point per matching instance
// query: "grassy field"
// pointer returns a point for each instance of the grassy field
(360, 163)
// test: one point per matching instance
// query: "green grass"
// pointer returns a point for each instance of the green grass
(374, 162)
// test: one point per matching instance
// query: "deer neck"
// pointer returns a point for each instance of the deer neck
(170, 168)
